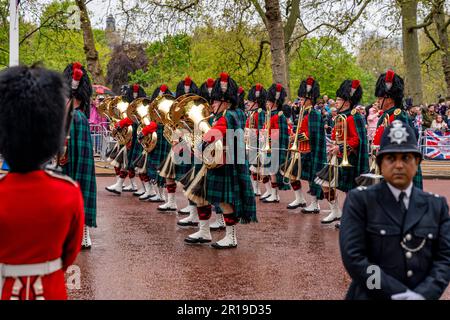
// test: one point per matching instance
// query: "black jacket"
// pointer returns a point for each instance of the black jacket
(372, 230)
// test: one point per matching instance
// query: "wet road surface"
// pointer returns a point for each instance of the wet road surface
(139, 253)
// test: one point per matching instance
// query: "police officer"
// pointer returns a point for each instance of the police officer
(395, 238)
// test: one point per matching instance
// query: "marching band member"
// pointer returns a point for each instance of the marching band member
(123, 154)
(257, 97)
(389, 93)
(159, 154)
(228, 184)
(136, 148)
(192, 220)
(184, 87)
(147, 164)
(276, 130)
(312, 146)
(241, 98)
(41, 212)
(350, 132)
(79, 163)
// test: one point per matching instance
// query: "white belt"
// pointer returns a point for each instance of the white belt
(28, 270)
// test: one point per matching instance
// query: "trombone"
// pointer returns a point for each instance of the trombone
(340, 139)
(295, 154)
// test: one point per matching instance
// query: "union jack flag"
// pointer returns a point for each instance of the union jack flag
(437, 145)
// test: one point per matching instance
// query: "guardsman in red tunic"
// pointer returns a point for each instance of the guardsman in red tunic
(41, 213)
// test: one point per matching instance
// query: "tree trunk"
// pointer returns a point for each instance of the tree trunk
(439, 20)
(411, 57)
(277, 48)
(93, 63)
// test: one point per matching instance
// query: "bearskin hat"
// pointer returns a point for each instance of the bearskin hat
(80, 89)
(390, 85)
(258, 94)
(287, 110)
(277, 94)
(408, 104)
(163, 89)
(186, 86)
(32, 115)
(135, 91)
(225, 89)
(350, 90)
(241, 98)
(309, 89)
(206, 89)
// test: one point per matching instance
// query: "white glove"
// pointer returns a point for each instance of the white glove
(407, 295)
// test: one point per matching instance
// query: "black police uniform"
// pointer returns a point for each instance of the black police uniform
(411, 249)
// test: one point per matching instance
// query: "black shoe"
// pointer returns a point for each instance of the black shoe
(331, 221)
(267, 201)
(311, 212)
(196, 240)
(138, 194)
(217, 229)
(187, 224)
(159, 201)
(113, 191)
(300, 205)
(216, 246)
(166, 209)
(337, 225)
(146, 198)
(261, 198)
(183, 212)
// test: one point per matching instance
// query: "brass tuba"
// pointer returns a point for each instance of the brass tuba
(139, 110)
(159, 111)
(103, 110)
(191, 113)
(118, 110)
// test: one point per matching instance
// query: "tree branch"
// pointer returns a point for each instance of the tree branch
(260, 11)
(261, 49)
(292, 19)
(350, 22)
(429, 36)
(426, 22)
(430, 54)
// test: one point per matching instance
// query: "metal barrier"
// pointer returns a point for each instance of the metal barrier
(439, 149)
(101, 140)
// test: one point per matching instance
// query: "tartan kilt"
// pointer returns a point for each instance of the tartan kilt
(134, 155)
(347, 175)
(231, 184)
(181, 170)
(306, 167)
(162, 148)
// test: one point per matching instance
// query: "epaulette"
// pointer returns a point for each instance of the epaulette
(2, 176)
(259, 110)
(361, 188)
(280, 113)
(53, 174)
(353, 112)
(434, 194)
(397, 111)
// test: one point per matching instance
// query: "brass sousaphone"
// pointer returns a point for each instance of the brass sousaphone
(118, 110)
(139, 110)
